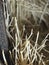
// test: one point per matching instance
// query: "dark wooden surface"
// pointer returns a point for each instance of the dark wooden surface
(3, 37)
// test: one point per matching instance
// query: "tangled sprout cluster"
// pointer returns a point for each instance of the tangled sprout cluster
(31, 52)
(27, 51)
